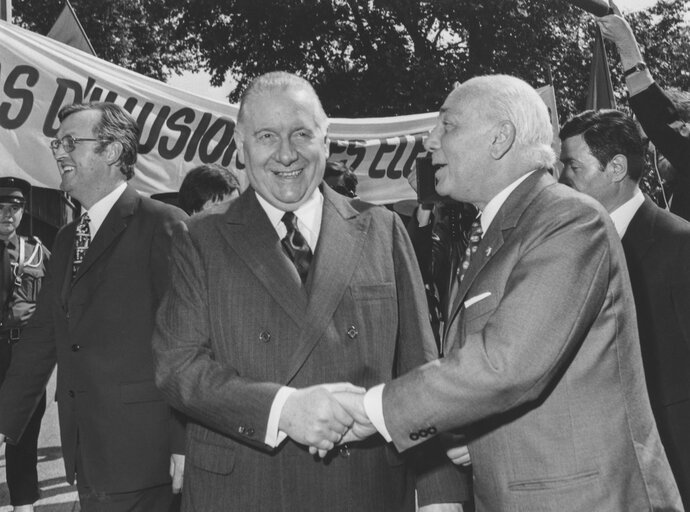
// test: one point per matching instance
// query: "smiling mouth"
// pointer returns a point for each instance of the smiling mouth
(65, 168)
(288, 174)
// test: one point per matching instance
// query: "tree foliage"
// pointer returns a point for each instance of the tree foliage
(139, 35)
(390, 57)
(371, 57)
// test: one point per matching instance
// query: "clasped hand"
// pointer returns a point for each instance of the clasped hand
(325, 416)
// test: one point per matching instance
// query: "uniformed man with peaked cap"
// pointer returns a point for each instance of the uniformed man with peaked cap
(22, 267)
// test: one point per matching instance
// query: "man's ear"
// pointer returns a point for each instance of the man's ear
(113, 152)
(617, 168)
(503, 139)
(239, 144)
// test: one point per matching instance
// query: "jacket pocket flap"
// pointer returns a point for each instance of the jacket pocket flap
(374, 291)
(211, 457)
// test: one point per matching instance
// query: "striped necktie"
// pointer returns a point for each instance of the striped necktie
(81, 242)
(296, 246)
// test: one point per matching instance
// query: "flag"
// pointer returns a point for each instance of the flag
(600, 92)
(68, 30)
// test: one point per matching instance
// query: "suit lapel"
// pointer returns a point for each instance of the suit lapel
(341, 240)
(248, 231)
(114, 224)
(505, 221)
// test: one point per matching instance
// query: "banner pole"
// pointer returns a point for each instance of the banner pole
(6, 10)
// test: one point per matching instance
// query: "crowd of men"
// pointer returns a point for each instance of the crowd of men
(275, 351)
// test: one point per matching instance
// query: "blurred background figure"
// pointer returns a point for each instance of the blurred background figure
(341, 178)
(664, 115)
(206, 186)
(22, 267)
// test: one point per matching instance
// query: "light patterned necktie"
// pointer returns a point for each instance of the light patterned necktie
(296, 246)
(81, 242)
(472, 244)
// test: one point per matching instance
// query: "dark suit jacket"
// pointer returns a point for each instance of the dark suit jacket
(657, 249)
(662, 123)
(544, 372)
(98, 329)
(237, 324)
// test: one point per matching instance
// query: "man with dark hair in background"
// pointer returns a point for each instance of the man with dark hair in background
(95, 317)
(22, 268)
(341, 178)
(603, 156)
(206, 186)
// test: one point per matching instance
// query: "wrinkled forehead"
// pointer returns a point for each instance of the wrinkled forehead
(292, 106)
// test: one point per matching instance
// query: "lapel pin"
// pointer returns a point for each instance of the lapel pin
(488, 252)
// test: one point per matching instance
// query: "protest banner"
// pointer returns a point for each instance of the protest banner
(179, 130)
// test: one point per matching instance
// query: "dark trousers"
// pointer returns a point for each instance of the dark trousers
(21, 458)
(153, 499)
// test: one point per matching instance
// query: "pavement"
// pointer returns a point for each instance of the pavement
(56, 494)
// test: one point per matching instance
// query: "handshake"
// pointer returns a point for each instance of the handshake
(325, 416)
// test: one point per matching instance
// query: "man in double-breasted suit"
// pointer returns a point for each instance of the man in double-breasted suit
(603, 156)
(260, 315)
(95, 318)
(542, 374)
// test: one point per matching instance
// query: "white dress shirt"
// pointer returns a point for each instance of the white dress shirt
(101, 208)
(622, 215)
(309, 224)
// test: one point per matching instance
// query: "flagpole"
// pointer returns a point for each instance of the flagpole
(6, 10)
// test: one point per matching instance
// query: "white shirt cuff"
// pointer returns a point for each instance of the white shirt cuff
(639, 81)
(373, 406)
(274, 436)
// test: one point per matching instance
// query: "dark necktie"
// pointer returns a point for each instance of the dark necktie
(81, 242)
(296, 246)
(472, 244)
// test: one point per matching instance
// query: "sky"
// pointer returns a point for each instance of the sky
(199, 83)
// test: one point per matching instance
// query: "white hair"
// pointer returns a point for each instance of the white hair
(507, 98)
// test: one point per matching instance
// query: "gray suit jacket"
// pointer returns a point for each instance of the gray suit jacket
(237, 324)
(544, 373)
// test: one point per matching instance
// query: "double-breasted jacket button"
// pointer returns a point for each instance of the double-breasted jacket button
(265, 336)
(71, 393)
(344, 451)
(76, 347)
(245, 431)
(352, 332)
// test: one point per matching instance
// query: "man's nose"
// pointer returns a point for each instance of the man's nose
(286, 152)
(433, 141)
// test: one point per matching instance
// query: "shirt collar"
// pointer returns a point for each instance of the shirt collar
(492, 207)
(99, 211)
(622, 215)
(308, 217)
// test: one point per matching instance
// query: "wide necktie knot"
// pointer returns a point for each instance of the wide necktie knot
(296, 246)
(475, 237)
(81, 242)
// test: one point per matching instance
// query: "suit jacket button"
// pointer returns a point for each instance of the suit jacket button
(265, 336)
(423, 433)
(432, 430)
(241, 429)
(71, 393)
(75, 347)
(344, 451)
(414, 436)
(352, 332)
(249, 432)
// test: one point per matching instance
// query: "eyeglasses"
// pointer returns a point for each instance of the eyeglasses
(67, 143)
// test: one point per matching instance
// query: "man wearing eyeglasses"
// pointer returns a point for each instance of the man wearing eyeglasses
(22, 268)
(95, 319)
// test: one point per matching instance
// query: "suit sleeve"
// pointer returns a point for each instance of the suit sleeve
(160, 268)
(662, 122)
(186, 370)
(550, 291)
(33, 360)
(437, 479)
